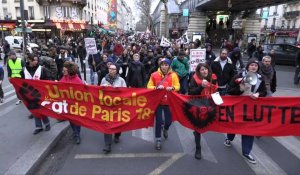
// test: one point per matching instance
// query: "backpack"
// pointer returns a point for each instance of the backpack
(50, 64)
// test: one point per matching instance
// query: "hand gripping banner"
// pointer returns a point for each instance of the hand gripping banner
(104, 109)
(268, 116)
(111, 110)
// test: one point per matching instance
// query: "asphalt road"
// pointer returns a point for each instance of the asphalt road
(135, 154)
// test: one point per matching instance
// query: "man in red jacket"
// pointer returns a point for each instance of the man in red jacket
(118, 49)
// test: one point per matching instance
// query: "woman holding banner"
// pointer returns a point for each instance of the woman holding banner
(112, 79)
(163, 78)
(239, 85)
(70, 76)
(203, 82)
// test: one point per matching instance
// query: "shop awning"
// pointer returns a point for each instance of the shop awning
(7, 26)
(70, 26)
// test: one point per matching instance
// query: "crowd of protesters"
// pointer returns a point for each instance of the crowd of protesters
(142, 63)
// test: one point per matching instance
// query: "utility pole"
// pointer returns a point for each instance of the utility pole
(23, 28)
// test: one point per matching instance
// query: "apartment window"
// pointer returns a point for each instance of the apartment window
(46, 12)
(17, 0)
(4, 1)
(31, 12)
(5, 12)
(18, 12)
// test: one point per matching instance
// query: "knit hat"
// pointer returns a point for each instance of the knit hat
(166, 60)
(252, 60)
(11, 52)
(109, 59)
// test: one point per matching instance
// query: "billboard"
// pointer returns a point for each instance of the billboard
(112, 14)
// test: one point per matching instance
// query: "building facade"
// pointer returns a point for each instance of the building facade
(281, 23)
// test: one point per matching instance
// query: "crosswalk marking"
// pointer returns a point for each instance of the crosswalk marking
(146, 134)
(166, 164)
(125, 155)
(187, 142)
(290, 143)
(264, 165)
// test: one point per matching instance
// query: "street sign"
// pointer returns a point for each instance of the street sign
(237, 24)
(27, 30)
(185, 12)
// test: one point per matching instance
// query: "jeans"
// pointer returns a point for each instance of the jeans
(183, 84)
(76, 129)
(159, 119)
(247, 142)
(108, 138)
(296, 76)
(92, 76)
(39, 122)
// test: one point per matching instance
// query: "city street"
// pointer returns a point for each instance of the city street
(136, 154)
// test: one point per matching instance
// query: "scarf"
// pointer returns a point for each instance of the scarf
(111, 79)
(268, 73)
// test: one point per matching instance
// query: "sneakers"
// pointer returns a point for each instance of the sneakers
(117, 139)
(18, 102)
(227, 143)
(107, 149)
(198, 154)
(158, 145)
(48, 127)
(36, 131)
(249, 158)
(1, 100)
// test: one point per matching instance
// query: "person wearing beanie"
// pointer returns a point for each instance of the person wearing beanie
(238, 86)
(236, 58)
(210, 55)
(163, 79)
(112, 79)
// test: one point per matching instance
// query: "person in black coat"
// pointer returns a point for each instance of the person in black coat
(222, 66)
(136, 73)
(237, 86)
(34, 71)
(81, 52)
(236, 58)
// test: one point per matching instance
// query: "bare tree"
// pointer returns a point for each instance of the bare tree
(144, 6)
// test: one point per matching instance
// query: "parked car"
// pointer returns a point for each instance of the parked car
(284, 53)
(16, 41)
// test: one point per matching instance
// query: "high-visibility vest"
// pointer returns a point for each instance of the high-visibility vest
(15, 67)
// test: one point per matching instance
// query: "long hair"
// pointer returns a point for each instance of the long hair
(209, 76)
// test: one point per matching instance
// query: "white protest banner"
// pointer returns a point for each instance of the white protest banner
(90, 46)
(165, 42)
(196, 56)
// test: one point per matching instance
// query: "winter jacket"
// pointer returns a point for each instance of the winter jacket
(223, 76)
(181, 67)
(94, 58)
(196, 88)
(45, 73)
(71, 79)
(136, 76)
(118, 50)
(234, 86)
(172, 80)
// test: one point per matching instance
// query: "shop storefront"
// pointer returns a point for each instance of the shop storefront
(63, 27)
